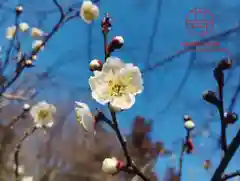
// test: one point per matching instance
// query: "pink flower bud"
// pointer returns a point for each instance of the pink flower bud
(116, 43)
(95, 65)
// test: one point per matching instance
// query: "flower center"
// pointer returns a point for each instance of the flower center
(43, 114)
(88, 15)
(117, 89)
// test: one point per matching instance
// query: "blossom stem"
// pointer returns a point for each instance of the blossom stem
(106, 54)
(18, 148)
(181, 160)
(123, 143)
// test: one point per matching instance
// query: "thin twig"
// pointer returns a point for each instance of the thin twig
(130, 166)
(123, 142)
(181, 160)
(231, 175)
(17, 151)
(59, 7)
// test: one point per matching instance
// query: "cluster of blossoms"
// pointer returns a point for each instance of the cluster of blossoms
(113, 83)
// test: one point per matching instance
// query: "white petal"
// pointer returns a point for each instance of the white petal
(132, 77)
(95, 11)
(98, 79)
(88, 122)
(123, 102)
(99, 87)
(101, 95)
(113, 64)
(82, 105)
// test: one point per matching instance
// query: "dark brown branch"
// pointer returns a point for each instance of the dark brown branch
(17, 151)
(227, 157)
(230, 175)
(221, 114)
(123, 142)
(129, 165)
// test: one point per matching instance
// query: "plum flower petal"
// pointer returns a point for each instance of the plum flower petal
(11, 31)
(113, 64)
(84, 116)
(23, 27)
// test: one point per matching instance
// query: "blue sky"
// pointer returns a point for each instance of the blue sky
(153, 31)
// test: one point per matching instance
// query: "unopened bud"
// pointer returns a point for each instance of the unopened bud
(211, 97)
(111, 165)
(230, 118)
(224, 64)
(189, 125)
(116, 43)
(26, 107)
(95, 65)
(19, 10)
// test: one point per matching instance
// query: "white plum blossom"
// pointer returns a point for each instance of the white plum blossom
(23, 27)
(84, 116)
(11, 31)
(89, 11)
(42, 114)
(111, 165)
(118, 83)
(36, 32)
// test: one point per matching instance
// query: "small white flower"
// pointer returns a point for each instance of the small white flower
(10, 32)
(110, 165)
(89, 11)
(37, 44)
(42, 114)
(117, 84)
(23, 27)
(27, 178)
(36, 32)
(85, 117)
(189, 125)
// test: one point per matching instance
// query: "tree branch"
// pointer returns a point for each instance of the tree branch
(17, 151)
(227, 157)
(230, 175)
